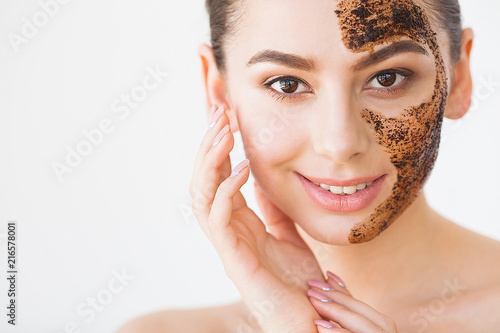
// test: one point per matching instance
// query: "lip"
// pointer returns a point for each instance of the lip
(339, 203)
(342, 183)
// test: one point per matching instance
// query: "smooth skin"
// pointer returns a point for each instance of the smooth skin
(423, 274)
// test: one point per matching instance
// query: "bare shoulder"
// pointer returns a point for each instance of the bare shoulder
(481, 258)
(466, 310)
(479, 266)
(467, 297)
(485, 295)
(219, 319)
(477, 286)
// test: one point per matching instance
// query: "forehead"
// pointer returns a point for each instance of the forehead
(289, 22)
(332, 34)
(360, 24)
(366, 23)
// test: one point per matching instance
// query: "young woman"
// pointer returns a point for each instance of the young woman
(340, 106)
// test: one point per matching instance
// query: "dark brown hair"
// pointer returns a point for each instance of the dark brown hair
(224, 16)
(448, 17)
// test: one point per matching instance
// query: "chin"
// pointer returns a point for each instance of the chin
(318, 210)
(332, 223)
(330, 229)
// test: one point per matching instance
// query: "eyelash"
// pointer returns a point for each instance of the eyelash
(392, 90)
(293, 96)
(284, 96)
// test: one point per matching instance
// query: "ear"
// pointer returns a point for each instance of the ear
(215, 85)
(460, 98)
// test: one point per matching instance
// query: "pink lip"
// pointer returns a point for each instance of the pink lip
(338, 203)
(336, 182)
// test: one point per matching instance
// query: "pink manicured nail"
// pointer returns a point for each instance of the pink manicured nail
(321, 285)
(316, 294)
(324, 323)
(221, 134)
(215, 117)
(211, 112)
(336, 279)
(237, 169)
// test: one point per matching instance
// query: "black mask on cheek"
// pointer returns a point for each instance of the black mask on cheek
(412, 139)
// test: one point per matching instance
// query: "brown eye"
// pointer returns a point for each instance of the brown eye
(288, 86)
(387, 79)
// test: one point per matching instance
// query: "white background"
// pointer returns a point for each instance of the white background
(126, 206)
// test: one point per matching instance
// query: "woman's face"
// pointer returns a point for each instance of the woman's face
(348, 94)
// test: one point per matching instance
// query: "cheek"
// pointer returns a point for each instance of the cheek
(271, 136)
(412, 140)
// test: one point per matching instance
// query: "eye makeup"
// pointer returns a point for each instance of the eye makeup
(389, 82)
(399, 84)
(291, 96)
(411, 139)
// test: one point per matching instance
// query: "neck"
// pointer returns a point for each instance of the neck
(386, 268)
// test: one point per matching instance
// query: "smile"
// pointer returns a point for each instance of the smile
(344, 190)
(342, 196)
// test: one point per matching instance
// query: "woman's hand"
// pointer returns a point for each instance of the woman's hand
(271, 269)
(344, 313)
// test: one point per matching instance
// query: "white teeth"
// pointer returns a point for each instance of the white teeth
(336, 189)
(361, 186)
(350, 189)
(347, 190)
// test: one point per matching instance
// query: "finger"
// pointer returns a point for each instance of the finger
(207, 140)
(337, 283)
(346, 318)
(212, 172)
(329, 330)
(327, 286)
(322, 329)
(349, 312)
(325, 326)
(222, 235)
(206, 144)
(280, 225)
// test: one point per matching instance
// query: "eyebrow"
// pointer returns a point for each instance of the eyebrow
(404, 46)
(285, 59)
(307, 64)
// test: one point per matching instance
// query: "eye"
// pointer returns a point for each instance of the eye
(286, 87)
(388, 79)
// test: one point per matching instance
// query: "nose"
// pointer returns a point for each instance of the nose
(339, 133)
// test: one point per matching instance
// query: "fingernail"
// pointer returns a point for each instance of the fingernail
(237, 169)
(336, 279)
(211, 112)
(324, 323)
(215, 117)
(221, 134)
(316, 294)
(321, 285)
